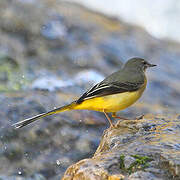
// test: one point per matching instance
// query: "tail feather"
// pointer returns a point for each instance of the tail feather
(34, 118)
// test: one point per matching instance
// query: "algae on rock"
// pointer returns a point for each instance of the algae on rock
(11, 76)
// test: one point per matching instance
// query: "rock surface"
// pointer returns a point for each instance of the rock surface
(134, 149)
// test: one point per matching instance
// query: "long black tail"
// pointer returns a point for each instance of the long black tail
(34, 118)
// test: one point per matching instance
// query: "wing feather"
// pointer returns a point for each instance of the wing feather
(103, 89)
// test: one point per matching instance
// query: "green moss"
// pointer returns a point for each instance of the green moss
(11, 76)
(140, 163)
(122, 165)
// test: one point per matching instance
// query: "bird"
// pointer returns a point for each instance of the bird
(116, 92)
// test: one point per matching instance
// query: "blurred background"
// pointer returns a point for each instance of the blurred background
(51, 51)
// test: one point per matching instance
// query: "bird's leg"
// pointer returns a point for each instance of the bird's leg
(114, 116)
(110, 121)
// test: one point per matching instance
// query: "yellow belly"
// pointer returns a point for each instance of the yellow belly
(111, 103)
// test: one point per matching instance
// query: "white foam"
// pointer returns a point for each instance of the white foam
(160, 18)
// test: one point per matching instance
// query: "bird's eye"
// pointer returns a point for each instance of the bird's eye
(144, 62)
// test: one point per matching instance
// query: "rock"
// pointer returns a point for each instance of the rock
(54, 29)
(34, 177)
(3, 177)
(133, 151)
(49, 146)
(140, 175)
(128, 160)
(13, 152)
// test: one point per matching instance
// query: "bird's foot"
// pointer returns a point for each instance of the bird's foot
(119, 117)
(112, 126)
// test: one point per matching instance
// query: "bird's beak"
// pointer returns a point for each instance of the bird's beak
(151, 65)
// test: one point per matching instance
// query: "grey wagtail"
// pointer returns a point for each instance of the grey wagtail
(116, 92)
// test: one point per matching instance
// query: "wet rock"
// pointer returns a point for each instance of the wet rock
(140, 175)
(128, 160)
(13, 152)
(48, 146)
(34, 177)
(130, 151)
(54, 29)
(3, 177)
(37, 177)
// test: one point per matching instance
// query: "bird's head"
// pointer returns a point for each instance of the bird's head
(137, 63)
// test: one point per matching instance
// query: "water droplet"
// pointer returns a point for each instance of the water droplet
(58, 162)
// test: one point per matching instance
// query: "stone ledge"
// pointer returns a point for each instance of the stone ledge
(135, 149)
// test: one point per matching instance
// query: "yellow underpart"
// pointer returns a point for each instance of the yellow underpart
(111, 103)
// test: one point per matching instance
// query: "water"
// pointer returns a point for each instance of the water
(161, 18)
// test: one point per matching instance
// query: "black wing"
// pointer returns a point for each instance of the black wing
(103, 89)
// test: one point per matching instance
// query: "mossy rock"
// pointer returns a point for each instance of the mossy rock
(11, 76)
